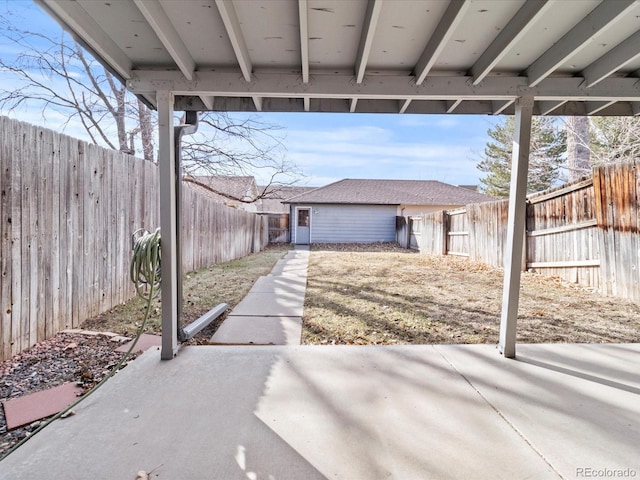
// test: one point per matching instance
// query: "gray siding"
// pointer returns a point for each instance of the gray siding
(353, 223)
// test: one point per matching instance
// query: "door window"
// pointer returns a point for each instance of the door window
(303, 217)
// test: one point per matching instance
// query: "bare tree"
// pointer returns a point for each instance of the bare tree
(53, 73)
(606, 140)
(225, 145)
(56, 75)
(614, 139)
(578, 149)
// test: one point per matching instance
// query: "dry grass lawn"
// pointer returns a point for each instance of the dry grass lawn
(355, 296)
(227, 282)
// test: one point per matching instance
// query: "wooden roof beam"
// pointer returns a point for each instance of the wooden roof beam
(304, 39)
(603, 16)
(592, 108)
(374, 7)
(447, 25)
(548, 106)
(517, 27)
(90, 34)
(624, 53)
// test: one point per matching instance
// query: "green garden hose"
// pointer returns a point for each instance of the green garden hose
(145, 274)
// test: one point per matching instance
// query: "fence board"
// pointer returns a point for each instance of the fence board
(6, 237)
(584, 232)
(67, 210)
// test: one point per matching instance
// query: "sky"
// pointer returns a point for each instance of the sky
(325, 147)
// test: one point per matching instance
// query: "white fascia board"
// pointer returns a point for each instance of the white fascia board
(580, 36)
(392, 87)
(79, 23)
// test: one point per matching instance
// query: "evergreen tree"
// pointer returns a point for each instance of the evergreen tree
(546, 156)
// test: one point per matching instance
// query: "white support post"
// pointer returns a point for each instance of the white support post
(168, 225)
(516, 226)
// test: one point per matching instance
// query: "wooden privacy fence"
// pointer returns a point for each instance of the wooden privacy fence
(584, 232)
(67, 212)
(278, 227)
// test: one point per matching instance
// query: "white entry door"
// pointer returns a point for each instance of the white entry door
(303, 226)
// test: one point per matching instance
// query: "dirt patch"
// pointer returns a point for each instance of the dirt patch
(356, 295)
(227, 283)
(66, 357)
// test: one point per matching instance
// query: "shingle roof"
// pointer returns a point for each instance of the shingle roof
(391, 192)
(232, 187)
(272, 203)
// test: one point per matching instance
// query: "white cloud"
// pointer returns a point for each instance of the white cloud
(430, 121)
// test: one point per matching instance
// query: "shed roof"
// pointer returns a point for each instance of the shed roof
(391, 192)
(578, 57)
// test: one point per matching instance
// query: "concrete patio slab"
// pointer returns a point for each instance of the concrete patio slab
(578, 404)
(269, 305)
(259, 331)
(309, 412)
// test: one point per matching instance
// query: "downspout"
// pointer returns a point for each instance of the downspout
(188, 128)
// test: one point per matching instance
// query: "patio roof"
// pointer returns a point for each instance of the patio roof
(379, 56)
(403, 56)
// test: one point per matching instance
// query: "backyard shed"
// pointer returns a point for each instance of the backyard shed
(365, 211)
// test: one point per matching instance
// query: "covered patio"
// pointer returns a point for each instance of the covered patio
(491, 57)
(551, 411)
(411, 412)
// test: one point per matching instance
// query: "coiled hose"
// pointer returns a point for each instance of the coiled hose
(144, 272)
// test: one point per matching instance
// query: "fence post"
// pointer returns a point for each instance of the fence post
(445, 231)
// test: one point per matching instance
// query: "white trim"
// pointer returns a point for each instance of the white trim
(294, 235)
(394, 87)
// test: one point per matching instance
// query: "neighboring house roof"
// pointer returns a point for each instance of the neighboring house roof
(237, 192)
(272, 202)
(391, 192)
(231, 187)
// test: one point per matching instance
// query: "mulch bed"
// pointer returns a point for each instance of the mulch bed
(66, 357)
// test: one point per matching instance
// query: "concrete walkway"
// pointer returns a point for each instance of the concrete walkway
(353, 412)
(271, 313)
